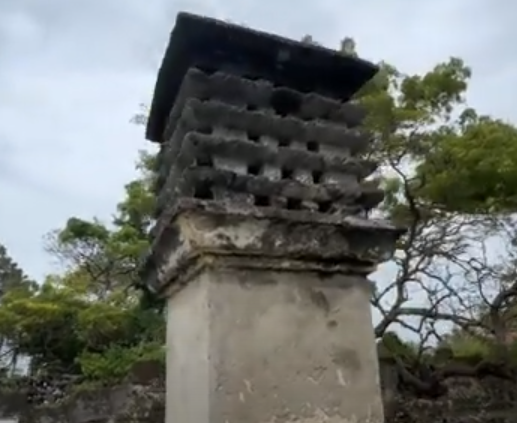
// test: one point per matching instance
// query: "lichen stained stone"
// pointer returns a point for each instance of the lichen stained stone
(260, 158)
(247, 107)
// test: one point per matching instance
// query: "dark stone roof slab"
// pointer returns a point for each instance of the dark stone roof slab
(213, 45)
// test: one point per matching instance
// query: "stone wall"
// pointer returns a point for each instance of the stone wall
(489, 400)
(142, 398)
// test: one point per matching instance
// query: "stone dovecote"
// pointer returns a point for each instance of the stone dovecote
(262, 243)
(254, 124)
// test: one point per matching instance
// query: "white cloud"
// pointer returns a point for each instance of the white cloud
(72, 74)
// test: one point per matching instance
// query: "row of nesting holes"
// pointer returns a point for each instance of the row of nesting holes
(285, 109)
(255, 170)
(204, 192)
(313, 146)
(292, 204)
(283, 101)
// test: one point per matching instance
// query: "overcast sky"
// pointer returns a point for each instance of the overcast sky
(73, 72)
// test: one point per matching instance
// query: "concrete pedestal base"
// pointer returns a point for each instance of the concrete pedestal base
(257, 346)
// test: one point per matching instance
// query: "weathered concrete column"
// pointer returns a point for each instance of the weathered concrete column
(261, 242)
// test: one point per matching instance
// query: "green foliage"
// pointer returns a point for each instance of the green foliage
(89, 320)
(77, 230)
(460, 348)
(13, 281)
(42, 323)
(59, 324)
(474, 167)
(471, 349)
(11, 275)
(464, 162)
(392, 345)
(116, 362)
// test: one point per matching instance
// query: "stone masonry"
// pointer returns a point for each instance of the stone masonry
(142, 400)
(262, 243)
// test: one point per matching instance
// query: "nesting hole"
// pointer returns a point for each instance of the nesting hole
(251, 107)
(317, 176)
(262, 201)
(203, 192)
(251, 77)
(207, 130)
(313, 146)
(287, 173)
(285, 102)
(204, 161)
(208, 70)
(254, 137)
(254, 169)
(326, 116)
(283, 142)
(293, 204)
(324, 206)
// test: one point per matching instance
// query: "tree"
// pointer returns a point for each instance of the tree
(110, 254)
(61, 327)
(449, 178)
(89, 320)
(12, 279)
(11, 275)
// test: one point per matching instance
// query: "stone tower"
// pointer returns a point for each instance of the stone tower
(261, 242)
